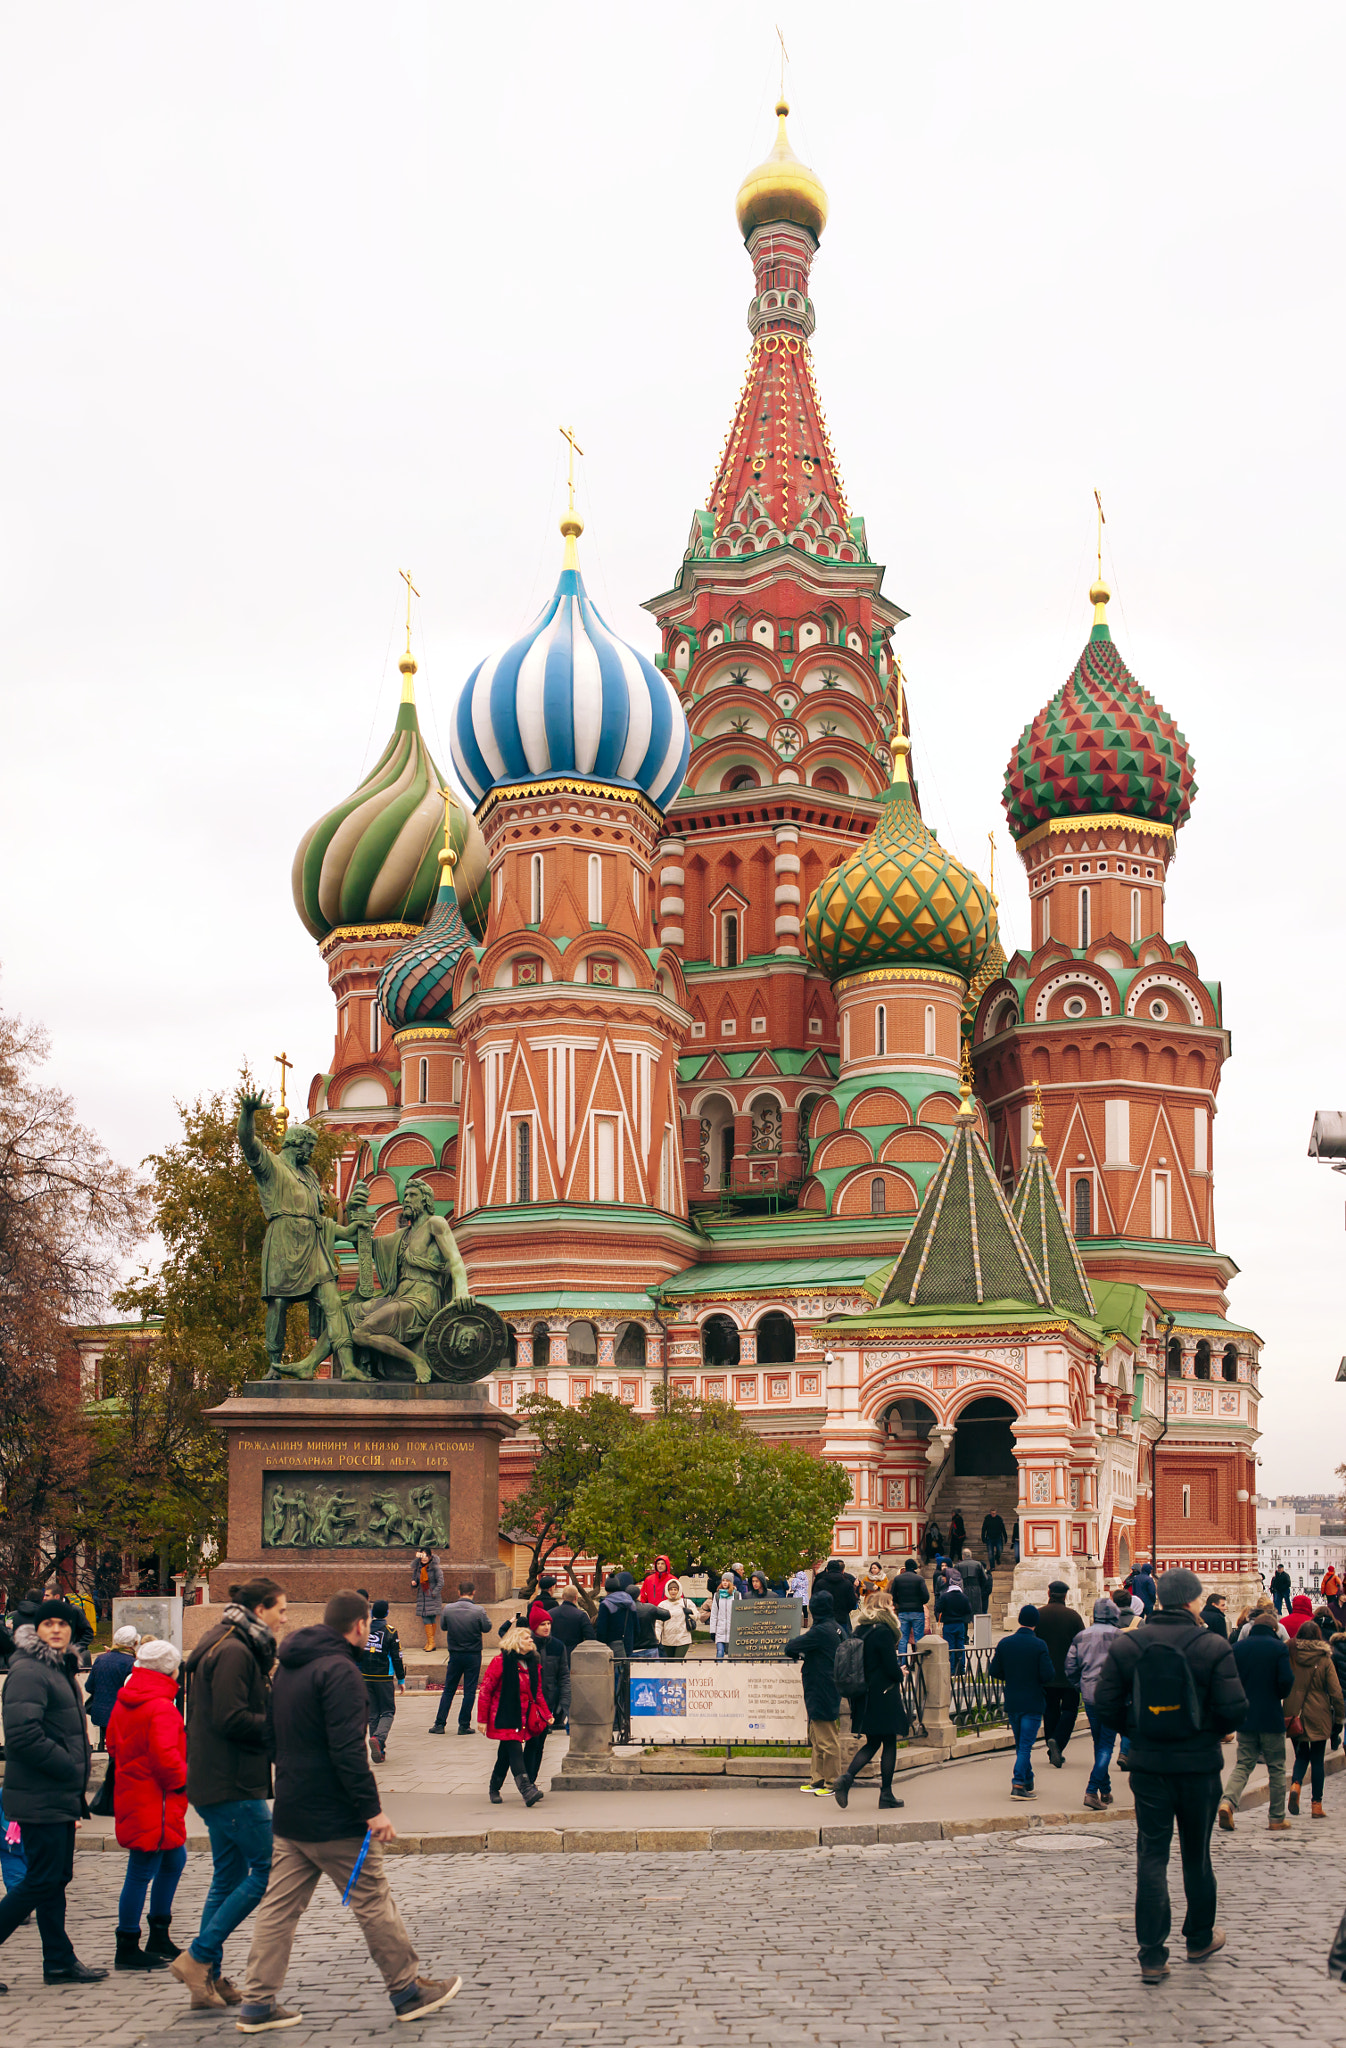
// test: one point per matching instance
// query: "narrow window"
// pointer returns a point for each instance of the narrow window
(523, 1161)
(457, 1080)
(1202, 1367)
(1229, 1364)
(880, 1029)
(1186, 1501)
(425, 1081)
(846, 1036)
(930, 1031)
(635, 889)
(730, 941)
(1046, 919)
(1084, 917)
(1174, 1358)
(1135, 917)
(877, 1198)
(374, 1022)
(1083, 1208)
(535, 889)
(595, 888)
(605, 1134)
(1160, 1219)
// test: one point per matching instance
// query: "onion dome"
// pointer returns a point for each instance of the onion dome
(416, 986)
(899, 900)
(570, 698)
(372, 858)
(782, 188)
(1101, 748)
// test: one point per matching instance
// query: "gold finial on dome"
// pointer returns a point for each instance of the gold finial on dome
(1099, 592)
(407, 664)
(781, 188)
(1039, 1143)
(572, 526)
(967, 1108)
(447, 858)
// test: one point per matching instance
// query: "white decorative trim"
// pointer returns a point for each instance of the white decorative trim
(1069, 978)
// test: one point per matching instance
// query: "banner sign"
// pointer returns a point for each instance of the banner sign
(704, 1702)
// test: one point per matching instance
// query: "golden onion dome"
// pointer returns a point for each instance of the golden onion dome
(782, 188)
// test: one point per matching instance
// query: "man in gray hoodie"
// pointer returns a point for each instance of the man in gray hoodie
(1085, 1658)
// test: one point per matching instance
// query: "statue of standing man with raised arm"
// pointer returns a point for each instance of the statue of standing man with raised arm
(297, 1263)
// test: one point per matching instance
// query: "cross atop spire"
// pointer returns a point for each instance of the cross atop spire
(572, 526)
(407, 664)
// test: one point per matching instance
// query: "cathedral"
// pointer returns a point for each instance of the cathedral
(713, 1055)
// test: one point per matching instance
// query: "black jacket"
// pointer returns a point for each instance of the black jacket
(1280, 1583)
(464, 1624)
(325, 1790)
(816, 1653)
(882, 1712)
(976, 1584)
(106, 1678)
(570, 1625)
(1057, 1627)
(1214, 1617)
(1263, 1662)
(554, 1669)
(645, 1637)
(228, 1719)
(1024, 1665)
(910, 1593)
(381, 1659)
(1224, 1704)
(954, 1606)
(993, 1528)
(841, 1586)
(46, 1735)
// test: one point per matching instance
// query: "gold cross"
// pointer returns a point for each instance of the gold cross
(991, 837)
(568, 434)
(784, 60)
(412, 591)
(1102, 522)
(284, 1063)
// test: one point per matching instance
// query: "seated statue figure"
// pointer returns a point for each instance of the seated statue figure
(418, 1268)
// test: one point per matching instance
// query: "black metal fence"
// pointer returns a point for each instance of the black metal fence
(913, 1692)
(978, 1700)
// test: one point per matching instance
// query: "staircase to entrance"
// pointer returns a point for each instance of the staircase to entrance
(978, 1495)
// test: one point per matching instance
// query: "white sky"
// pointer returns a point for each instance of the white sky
(291, 297)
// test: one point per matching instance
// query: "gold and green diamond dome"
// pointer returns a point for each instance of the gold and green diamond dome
(900, 900)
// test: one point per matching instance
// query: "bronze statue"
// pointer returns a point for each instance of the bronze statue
(297, 1258)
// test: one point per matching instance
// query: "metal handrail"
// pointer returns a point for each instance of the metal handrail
(976, 1699)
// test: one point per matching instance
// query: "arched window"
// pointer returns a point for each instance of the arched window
(535, 889)
(523, 1161)
(1175, 1358)
(635, 889)
(581, 1347)
(729, 941)
(375, 1022)
(740, 629)
(719, 1342)
(630, 1347)
(512, 1356)
(425, 1081)
(1084, 917)
(880, 1029)
(1229, 1364)
(930, 1031)
(846, 1035)
(1084, 1208)
(1046, 919)
(743, 778)
(878, 1196)
(1202, 1366)
(595, 888)
(541, 1347)
(775, 1339)
(1135, 917)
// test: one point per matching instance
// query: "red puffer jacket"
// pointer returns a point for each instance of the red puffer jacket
(1301, 1610)
(148, 1744)
(534, 1711)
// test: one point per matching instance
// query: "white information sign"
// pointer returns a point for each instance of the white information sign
(704, 1702)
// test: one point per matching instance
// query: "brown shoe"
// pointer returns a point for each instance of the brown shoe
(1213, 1947)
(230, 1993)
(1153, 1973)
(1225, 1816)
(431, 1994)
(1093, 1802)
(1293, 1801)
(1280, 1827)
(1316, 1810)
(197, 1977)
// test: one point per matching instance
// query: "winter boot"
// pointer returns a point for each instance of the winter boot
(198, 1979)
(159, 1943)
(886, 1797)
(841, 1791)
(129, 1956)
(531, 1792)
(1316, 1809)
(1292, 1802)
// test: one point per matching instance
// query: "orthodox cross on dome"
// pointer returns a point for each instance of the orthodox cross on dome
(991, 837)
(572, 526)
(283, 1114)
(1039, 1142)
(407, 664)
(412, 591)
(784, 59)
(1102, 522)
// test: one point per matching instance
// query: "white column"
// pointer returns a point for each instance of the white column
(788, 907)
(672, 907)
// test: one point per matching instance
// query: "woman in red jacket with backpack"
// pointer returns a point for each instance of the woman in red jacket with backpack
(511, 1705)
(147, 1743)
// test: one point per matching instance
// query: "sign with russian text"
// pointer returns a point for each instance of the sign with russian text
(760, 1629)
(697, 1701)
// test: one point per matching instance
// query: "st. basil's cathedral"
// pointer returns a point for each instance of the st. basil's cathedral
(713, 1054)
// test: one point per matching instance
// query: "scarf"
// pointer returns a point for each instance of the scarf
(509, 1701)
(254, 1632)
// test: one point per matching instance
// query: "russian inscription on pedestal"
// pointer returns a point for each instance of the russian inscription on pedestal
(760, 1629)
(359, 1511)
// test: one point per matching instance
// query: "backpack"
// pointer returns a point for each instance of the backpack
(848, 1667)
(374, 1659)
(1165, 1706)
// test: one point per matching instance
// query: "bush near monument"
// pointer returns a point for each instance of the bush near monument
(572, 1444)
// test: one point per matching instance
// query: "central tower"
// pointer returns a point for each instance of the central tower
(776, 636)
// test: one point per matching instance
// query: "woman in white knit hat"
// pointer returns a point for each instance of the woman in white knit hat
(148, 1744)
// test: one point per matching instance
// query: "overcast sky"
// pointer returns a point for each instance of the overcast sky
(295, 296)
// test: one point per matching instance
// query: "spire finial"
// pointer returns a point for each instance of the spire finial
(1099, 595)
(448, 859)
(994, 897)
(1039, 1143)
(782, 104)
(967, 1108)
(284, 1062)
(407, 665)
(572, 526)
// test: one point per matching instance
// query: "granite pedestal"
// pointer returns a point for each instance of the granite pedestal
(337, 1482)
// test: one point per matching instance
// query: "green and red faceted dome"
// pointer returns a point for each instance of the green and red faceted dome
(1101, 748)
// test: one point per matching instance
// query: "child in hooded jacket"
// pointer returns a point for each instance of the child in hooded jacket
(147, 1741)
(511, 1707)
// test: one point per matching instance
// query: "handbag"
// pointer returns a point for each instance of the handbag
(102, 1801)
(1294, 1727)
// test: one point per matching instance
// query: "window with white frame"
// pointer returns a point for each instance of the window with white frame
(523, 1160)
(535, 888)
(424, 1078)
(1186, 1502)
(729, 939)
(1046, 918)
(1084, 917)
(846, 1036)
(605, 1158)
(595, 888)
(1135, 917)
(375, 1022)
(930, 1031)
(1159, 1204)
(880, 1029)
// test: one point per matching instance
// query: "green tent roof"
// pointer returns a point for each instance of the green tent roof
(1040, 1216)
(965, 1247)
(771, 1276)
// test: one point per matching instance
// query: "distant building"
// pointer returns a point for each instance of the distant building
(1297, 1542)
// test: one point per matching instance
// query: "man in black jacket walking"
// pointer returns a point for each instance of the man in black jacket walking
(464, 1624)
(1173, 1687)
(1058, 1626)
(385, 1675)
(816, 1652)
(327, 1809)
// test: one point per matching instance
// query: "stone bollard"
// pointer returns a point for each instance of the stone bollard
(941, 1730)
(590, 1704)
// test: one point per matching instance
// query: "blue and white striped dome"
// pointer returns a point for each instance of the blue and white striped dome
(570, 698)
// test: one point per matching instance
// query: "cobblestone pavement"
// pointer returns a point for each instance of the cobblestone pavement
(999, 1941)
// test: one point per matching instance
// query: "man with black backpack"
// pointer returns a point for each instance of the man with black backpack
(384, 1675)
(1173, 1687)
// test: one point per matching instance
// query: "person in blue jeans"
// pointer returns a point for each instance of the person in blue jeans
(229, 1776)
(953, 1612)
(910, 1596)
(1085, 1658)
(13, 1862)
(1023, 1664)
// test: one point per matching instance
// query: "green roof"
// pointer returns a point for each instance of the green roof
(771, 1276)
(986, 1315)
(1038, 1212)
(1197, 1319)
(965, 1247)
(1120, 1305)
(569, 1301)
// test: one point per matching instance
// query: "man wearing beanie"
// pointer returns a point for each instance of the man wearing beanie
(381, 1663)
(1058, 1626)
(1173, 1687)
(1023, 1663)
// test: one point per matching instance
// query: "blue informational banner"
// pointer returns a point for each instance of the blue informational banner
(704, 1702)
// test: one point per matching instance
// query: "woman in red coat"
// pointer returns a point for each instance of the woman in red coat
(147, 1744)
(511, 1706)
